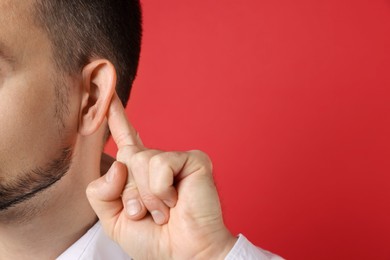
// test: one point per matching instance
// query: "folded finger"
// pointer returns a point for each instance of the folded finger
(139, 167)
(163, 168)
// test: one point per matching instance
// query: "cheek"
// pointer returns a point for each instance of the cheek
(29, 130)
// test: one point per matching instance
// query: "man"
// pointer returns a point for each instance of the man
(62, 64)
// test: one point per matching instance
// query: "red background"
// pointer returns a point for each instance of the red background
(291, 100)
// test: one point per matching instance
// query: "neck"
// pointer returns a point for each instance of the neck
(56, 218)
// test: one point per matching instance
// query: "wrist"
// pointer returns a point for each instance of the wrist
(229, 244)
(220, 246)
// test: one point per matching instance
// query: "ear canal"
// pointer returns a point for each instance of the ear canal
(92, 98)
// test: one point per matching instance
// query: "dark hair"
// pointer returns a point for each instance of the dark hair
(82, 29)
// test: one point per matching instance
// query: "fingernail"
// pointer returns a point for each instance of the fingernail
(158, 217)
(133, 207)
(110, 175)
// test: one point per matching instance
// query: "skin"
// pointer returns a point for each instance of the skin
(178, 184)
(32, 137)
(175, 187)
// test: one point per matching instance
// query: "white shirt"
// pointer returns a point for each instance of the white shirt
(95, 245)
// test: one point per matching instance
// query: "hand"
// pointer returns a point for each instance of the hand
(158, 205)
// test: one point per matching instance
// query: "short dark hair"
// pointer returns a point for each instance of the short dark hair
(82, 29)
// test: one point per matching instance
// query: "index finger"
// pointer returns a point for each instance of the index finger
(122, 131)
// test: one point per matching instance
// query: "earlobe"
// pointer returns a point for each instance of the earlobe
(99, 81)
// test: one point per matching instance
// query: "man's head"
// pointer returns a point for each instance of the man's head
(56, 62)
(80, 30)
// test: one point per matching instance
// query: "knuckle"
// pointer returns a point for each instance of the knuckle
(149, 199)
(165, 159)
(139, 161)
(204, 159)
(158, 161)
(131, 185)
(160, 190)
(124, 154)
(122, 136)
(156, 190)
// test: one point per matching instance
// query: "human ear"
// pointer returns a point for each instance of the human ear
(99, 80)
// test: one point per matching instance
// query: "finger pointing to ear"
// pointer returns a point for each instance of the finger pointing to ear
(122, 131)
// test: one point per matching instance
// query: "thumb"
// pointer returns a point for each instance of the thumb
(104, 195)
